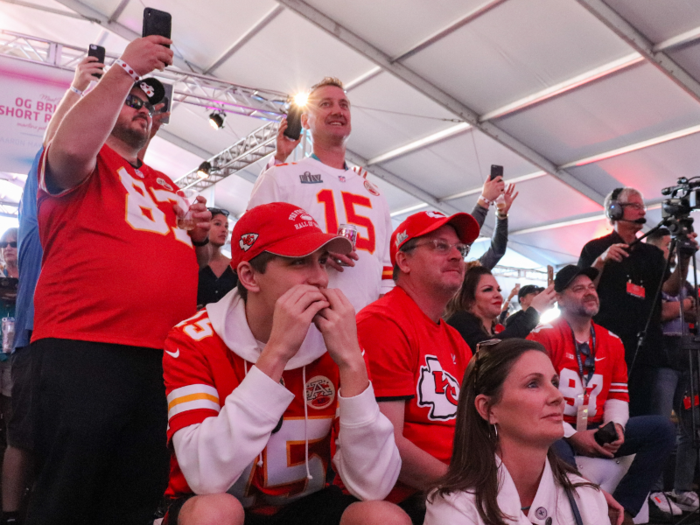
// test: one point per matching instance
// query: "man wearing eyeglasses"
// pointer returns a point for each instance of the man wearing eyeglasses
(629, 276)
(117, 274)
(590, 361)
(416, 359)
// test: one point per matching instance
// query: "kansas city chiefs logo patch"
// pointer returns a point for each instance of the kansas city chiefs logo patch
(320, 392)
(148, 89)
(437, 390)
(435, 214)
(247, 240)
(400, 237)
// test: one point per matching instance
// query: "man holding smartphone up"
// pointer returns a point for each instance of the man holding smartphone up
(117, 275)
(590, 361)
(335, 195)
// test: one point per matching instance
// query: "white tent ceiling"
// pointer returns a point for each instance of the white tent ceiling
(572, 97)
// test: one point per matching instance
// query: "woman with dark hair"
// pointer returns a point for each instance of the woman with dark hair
(217, 278)
(477, 305)
(503, 469)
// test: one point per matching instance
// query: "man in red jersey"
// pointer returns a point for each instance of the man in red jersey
(417, 361)
(268, 384)
(117, 275)
(590, 361)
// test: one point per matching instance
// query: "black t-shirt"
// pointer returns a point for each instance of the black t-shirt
(211, 289)
(621, 312)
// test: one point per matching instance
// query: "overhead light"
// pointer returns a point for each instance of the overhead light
(300, 99)
(216, 119)
(204, 169)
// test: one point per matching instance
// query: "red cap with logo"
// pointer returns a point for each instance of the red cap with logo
(423, 223)
(282, 229)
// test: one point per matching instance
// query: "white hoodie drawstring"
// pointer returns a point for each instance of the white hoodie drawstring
(245, 369)
(306, 417)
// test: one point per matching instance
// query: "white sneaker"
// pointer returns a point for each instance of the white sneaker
(688, 501)
(664, 503)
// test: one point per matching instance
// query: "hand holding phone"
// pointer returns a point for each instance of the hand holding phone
(606, 434)
(550, 274)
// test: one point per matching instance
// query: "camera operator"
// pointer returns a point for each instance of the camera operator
(630, 274)
(671, 386)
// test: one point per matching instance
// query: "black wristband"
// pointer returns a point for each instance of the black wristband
(199, 244)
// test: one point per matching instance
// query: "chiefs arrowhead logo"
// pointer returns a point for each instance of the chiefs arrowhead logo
(247, 240)
(148, 89)
(435, 214)
(437, 390)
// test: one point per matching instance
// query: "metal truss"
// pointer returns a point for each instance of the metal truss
(189, 87)
(248, 150)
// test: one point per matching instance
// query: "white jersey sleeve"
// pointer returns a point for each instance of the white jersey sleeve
(367, 458)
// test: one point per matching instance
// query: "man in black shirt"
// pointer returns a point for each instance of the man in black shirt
(627, 284)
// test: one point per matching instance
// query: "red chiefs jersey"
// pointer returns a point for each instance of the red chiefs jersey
(414, 359)
(609, 380)
(116, 268)
(200, 376)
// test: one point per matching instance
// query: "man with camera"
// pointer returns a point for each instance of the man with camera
(630, 274)
(590, 361)
(117, 274)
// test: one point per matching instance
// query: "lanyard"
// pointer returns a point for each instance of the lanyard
(591, 370)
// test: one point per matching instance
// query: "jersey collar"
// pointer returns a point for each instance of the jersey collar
(345, 164)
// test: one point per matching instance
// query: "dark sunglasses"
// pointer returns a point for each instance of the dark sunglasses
(218, 211)
(135, 102)
(479, 346)
(5, 244)
(585, 350)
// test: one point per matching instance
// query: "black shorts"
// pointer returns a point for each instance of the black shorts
(324, 507)
(20, 433)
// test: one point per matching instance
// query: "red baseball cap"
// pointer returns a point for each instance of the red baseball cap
(282, 229)
(423, 223)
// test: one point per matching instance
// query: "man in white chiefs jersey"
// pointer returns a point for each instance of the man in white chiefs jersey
(323, 185)
(593, 378)
(268, 385)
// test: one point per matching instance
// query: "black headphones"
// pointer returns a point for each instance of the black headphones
(615, 211)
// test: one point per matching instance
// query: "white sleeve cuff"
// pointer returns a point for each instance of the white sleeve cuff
(617, 411)
(358, 410)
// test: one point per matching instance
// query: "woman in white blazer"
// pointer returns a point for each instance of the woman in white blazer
(502, 470)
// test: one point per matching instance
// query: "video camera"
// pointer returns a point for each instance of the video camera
(684, 198)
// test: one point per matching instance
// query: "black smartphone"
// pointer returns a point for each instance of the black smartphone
(167, 100)
(293, 130)
(97, 51)
(606, 434)
(156, 22)
(496, 171)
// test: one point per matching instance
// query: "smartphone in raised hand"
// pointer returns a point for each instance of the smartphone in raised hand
(496, 171)
(99, 52)
(156, 22)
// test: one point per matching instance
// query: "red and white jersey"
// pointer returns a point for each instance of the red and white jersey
(609, 380)
(414, 359)
(333, 197)
(116, 269)
(233, 429)
(197, 384)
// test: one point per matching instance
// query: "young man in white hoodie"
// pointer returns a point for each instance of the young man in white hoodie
(267, 385)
